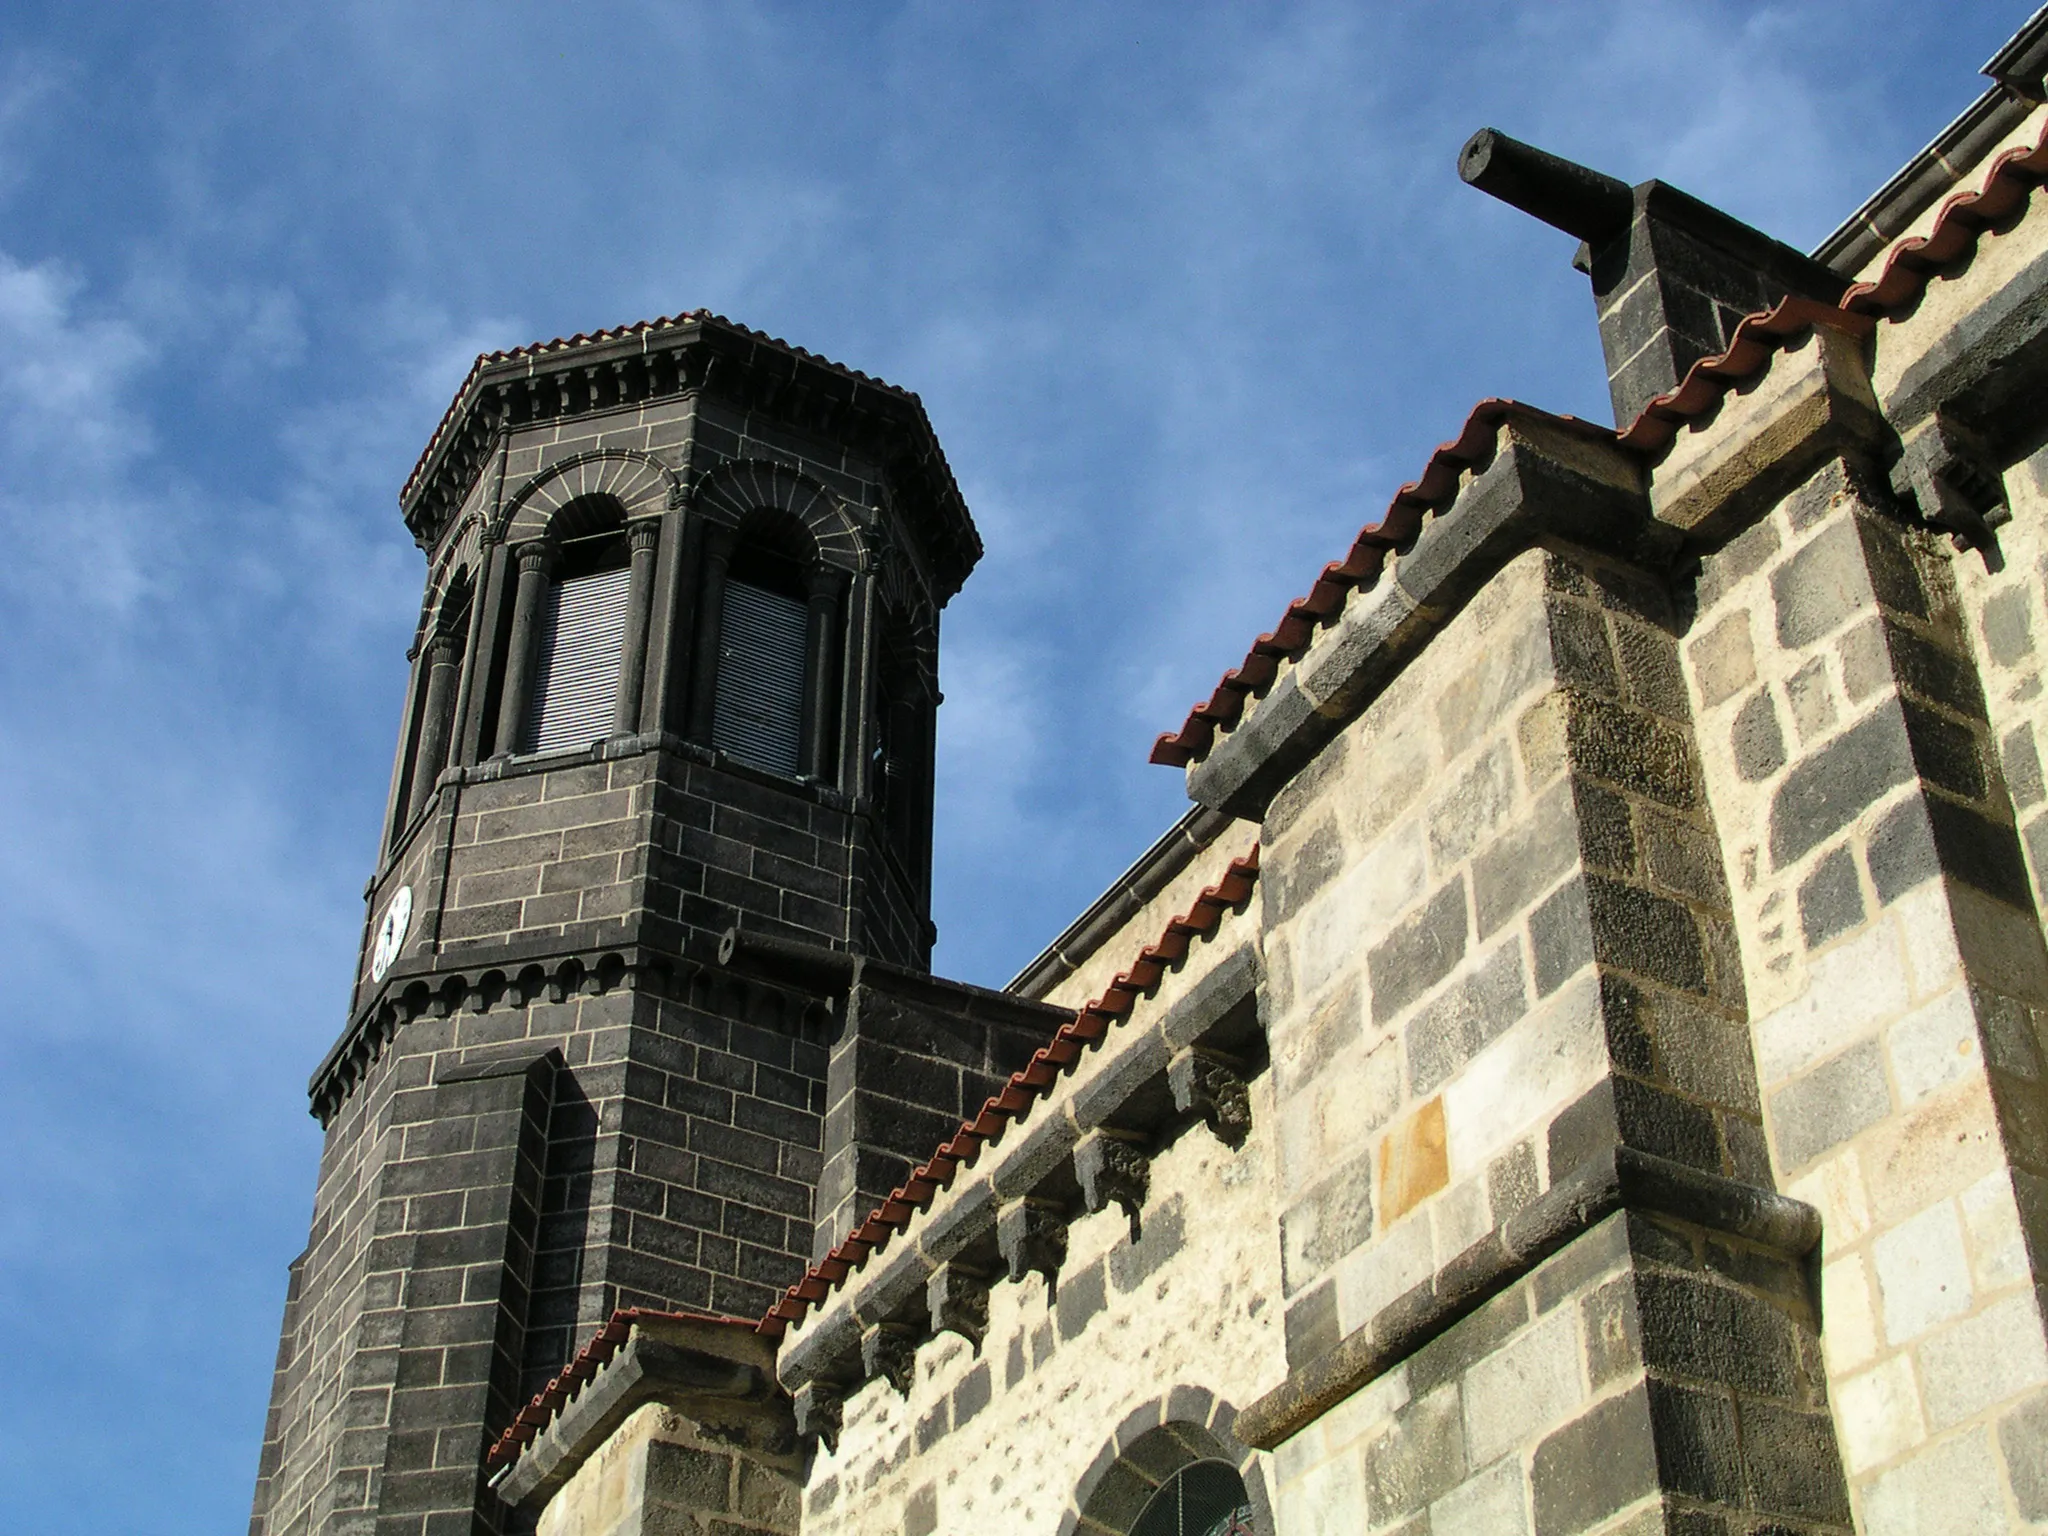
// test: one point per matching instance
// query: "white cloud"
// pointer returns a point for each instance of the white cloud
(70, 439)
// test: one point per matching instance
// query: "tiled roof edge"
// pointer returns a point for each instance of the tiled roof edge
(1912, 264)
(1089, 1026)
(1431, 491)
(1922, 181)
(592, 338)
(591, 1359)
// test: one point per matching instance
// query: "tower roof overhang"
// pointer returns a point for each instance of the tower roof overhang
(697, 352)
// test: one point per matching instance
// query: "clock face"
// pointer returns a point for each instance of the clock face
(391, 933)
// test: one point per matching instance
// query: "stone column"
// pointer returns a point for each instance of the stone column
(710, 621)
(443, 665)
(472, 721)
(671, 619)
(399, 796)
(857, 687)
(476, 661)
(643, 536)
(536, 565)
(822, 591)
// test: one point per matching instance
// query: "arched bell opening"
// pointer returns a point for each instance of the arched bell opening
(769, 648)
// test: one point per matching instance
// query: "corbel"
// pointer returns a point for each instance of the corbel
(957, 1298)
(1032, 1236)
(820, 1408)
(889, 1350)
(1951, 474)
(1210, 1085)
(1113, 1167)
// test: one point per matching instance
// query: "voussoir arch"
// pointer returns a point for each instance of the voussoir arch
(461, 553)
(1154, 1442)
(741, 487)
(640, 484)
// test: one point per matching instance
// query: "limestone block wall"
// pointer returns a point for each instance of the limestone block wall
(1520, 804)
(1001, 1440)
(1651, 1368)
(1895, 969)
(1155, 1326)
(660, 1473)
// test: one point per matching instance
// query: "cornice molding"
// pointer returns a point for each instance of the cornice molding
(518, 976)
(696, 355)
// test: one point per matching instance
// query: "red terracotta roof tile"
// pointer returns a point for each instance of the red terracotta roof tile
(1757, 340)
(1431, 491)
(591, 1359)
(1024, 1088)
(1911, 264)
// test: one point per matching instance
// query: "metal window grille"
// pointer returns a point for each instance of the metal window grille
(758, 714)
(1205, 1499)
(582, 649)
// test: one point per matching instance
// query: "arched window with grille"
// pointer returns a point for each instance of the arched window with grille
(1202, 1480)
(581, 641)
(1204, 1498)
(773, 617)
(758, 712)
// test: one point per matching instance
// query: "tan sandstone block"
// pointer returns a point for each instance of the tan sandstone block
(1414, 1161)
(1835, 1189)
(1849, 1305)
(1940, 1147)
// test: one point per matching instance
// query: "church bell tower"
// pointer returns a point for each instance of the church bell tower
(675, 679)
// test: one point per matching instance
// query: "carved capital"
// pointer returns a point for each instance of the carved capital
(1032, 1235)
(889, 1350)
(682, 491)
(643, 533)
(1211, 1087)
(820, 1407)
(821, 583)
(958, 1302)
(537, 555)
(1112, 1168)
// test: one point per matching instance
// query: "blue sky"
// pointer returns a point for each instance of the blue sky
(1188, 290)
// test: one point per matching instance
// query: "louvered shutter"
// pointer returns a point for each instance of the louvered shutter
(759, 716)
(582, 644)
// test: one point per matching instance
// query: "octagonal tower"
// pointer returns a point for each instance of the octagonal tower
(675, 674)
